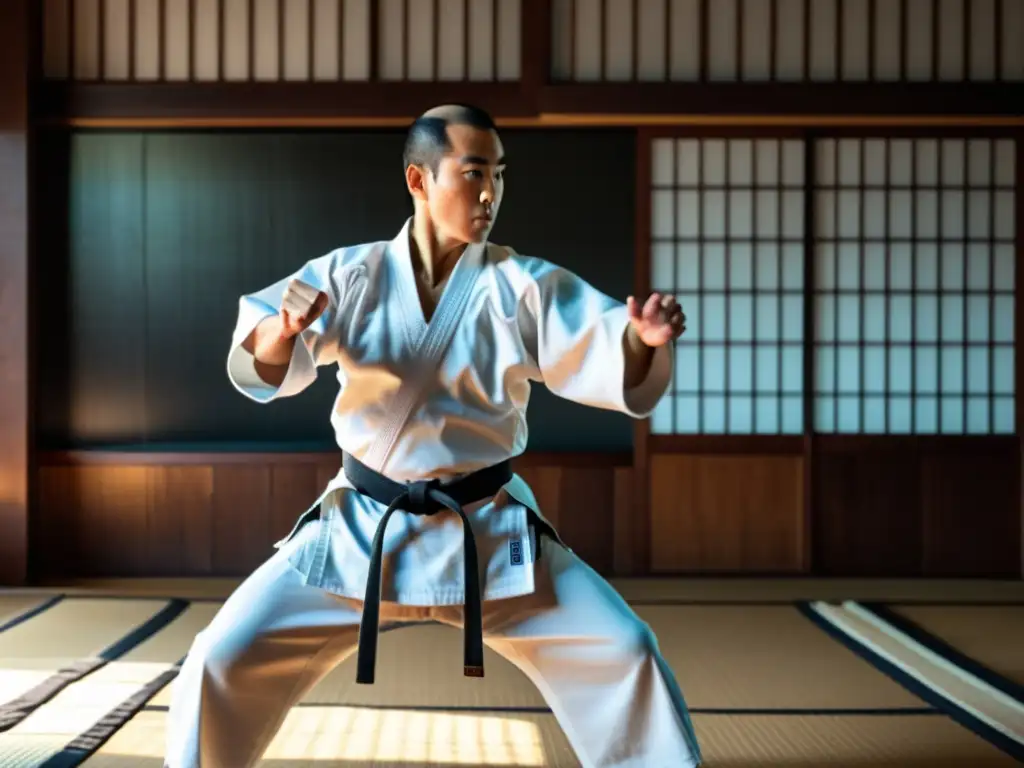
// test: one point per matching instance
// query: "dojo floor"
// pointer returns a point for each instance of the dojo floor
(788, 673)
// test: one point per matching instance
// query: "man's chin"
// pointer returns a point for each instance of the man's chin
(479, 231)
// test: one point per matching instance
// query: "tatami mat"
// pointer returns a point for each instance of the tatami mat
(34, 650)
(341, 737)
(703, 590)
(763, 590)
(992, 635)
(97, 624)
(84, 702)
(725, 657)
(735, 657)
(900, 741)
(14, 606)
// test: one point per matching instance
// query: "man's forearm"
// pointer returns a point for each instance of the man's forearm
(639, 357)
(271, 349)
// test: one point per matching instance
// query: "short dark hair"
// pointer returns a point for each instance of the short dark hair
(427, 139)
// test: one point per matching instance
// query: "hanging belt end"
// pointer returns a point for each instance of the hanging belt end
(472, 670)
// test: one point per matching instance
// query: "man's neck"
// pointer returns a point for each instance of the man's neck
(432, 256)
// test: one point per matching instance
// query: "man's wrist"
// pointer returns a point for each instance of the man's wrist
(635, 343)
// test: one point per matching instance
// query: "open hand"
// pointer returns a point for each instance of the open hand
(659, 321)
(301, 305)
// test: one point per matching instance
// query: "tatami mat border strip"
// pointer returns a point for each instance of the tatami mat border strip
(733, 711)
(938, 646)
(639, 603)
(83, 746)
(919, 689)
(31, 613)
(13, 712)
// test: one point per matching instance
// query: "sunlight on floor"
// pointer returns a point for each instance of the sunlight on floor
(80, 705)
(352, 734)
(15, 683)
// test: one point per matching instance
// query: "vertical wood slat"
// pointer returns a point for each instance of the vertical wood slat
(641, 511)
(997, 43)
(495, 36)
(251, 47)
(373, 41)
(101, 38)
(634, 64)
(71, 42)
(806, 74)
(872, 38)
(965, 41)
(535, 44)
(282, 39)
(161, 40)
(1018, 324)
(15, 62)
(341, 40)
(311, 40)
(737, 31)
(405, 39)
(222, 39)
(705, 41)
(838, 41)
(810, 278)
(573, 43)
(435, 64)
(193, 30)
(132, 42)
(667, 4)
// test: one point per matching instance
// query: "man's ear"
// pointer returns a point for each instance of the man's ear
(416, 181)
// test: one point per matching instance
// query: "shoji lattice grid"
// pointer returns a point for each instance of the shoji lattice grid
(727, 238)
(914, 286)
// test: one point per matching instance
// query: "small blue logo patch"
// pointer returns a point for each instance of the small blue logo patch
(516, 552)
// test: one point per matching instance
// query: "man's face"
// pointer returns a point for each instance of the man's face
(463, 198)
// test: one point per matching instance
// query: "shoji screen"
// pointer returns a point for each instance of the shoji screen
(914, 297)
(727, 238)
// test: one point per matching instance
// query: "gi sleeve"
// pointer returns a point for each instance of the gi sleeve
(310, 345)
(576, 335)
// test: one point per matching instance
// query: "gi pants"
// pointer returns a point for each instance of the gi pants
(596, 664)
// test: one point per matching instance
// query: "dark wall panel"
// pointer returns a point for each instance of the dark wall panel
(167, 230)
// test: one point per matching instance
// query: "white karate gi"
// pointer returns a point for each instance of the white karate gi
(520, 319)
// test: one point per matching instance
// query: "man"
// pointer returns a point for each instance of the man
(437, 336)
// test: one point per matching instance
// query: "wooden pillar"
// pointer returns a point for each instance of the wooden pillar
(14, 300)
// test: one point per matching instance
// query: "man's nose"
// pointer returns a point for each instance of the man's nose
(487, 193)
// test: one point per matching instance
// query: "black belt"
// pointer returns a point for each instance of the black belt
(423, 497)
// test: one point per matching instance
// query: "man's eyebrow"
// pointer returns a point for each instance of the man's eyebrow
(478, 160)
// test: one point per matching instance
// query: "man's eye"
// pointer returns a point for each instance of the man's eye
(473, 174)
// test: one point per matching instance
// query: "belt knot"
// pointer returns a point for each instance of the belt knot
(419, 493)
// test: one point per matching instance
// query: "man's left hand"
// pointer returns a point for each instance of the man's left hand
(659, 321)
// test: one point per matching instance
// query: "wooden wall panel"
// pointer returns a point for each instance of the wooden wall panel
(867, 513)
(906, 507)
(14, 288)
(971, 518)
(190, 515)
(727, 514)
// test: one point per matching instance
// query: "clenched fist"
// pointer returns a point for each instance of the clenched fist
(301, 305)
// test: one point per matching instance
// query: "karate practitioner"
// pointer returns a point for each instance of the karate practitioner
(437, 336)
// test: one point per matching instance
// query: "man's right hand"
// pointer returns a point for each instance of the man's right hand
(272, 341)
(301, 305)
